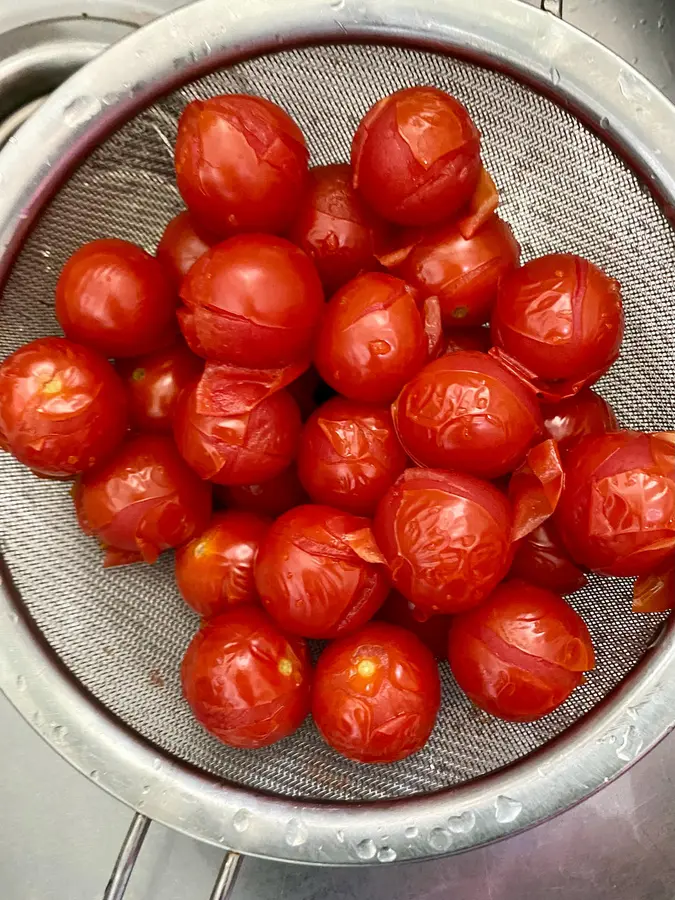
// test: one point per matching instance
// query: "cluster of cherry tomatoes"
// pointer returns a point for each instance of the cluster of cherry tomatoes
(310, 345)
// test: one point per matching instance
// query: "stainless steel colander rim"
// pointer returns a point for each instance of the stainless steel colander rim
(178, 48)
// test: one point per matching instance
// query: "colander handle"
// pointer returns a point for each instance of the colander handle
(130, 849)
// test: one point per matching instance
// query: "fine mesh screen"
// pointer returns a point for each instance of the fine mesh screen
(122, 632)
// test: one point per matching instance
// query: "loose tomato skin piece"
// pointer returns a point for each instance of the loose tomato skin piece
(567, 421)
(114, 297)
(62, 407)
(376, 694)
(465, 411)
(246, 682)
(446, 538)
(535, 488)
(431, 630)
(313, 576)
(241, 164)
(349, 455)
(144, 500)
(617, 511)
(655, 592)
(416, 157)
(542, 560)
(180, 247)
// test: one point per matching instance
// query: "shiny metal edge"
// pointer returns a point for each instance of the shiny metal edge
(523, 41)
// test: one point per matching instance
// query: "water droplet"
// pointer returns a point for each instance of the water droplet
(604, 122)
(38, 720)
(439, 839)
(241, 820)
(94, 774)
(463, 823)
(46, 253)
(21, 683)
(145, 789)
(366, 849)
(157, 764)
(555, 76)
(60, 732)
(411, 832)
(386, 854)
(340, 836)
(336, 4)
(296, 833)
(507, 810)
(631, 744)
(661, 24)
(81, 110)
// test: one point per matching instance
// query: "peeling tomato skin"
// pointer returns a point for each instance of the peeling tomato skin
(542, 560)
(180, 247)
(573, 418)
(270, 498)
(535, 488)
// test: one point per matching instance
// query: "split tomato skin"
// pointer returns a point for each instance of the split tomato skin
(180, 247)
(376, 694)
(575, 417)
(542, 559)
(246, 682)
(269, 498)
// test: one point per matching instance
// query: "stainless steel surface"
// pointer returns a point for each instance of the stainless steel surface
(227, 877)
(128, 856)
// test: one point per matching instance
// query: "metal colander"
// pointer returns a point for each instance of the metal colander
(110, 642)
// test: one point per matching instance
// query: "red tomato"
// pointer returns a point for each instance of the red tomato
(416, 156)
(573, 418)
(254, 300)
(241, 164)
(560, 320)
(431, 630)
(481, 207)
(246, 682)
(269, 498)
(349, 455)
(335, 227)
(542, 560)
(143, 501)
(466, 411)
(520, 654)
(446, 538)
(62, 407)
(655, 592)
(376, 694)
(215, 570)
(153, 383)
(617, 511)
(180, 247)
(318, 572)
(305, 390)
(467, 339)
(372, 340)
(535, 488)
(115, 298)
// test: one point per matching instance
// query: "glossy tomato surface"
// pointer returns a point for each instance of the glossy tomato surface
(446, 538)
(520, 654)
(569, 420)
(542, 560)
(372, 340)
(617, 511)
(416, 157)
(142, 501)
(62, 407)
(114, 297)
(154, 382)
(319, 573)
(467, 339)
(431, 630)
(254, 300)
(268, 498)
(349, 455)
(466, 411)
(241, 164)
(180, 247)
(245, 681)
(376, 694)
(335, 228)
(214, 571)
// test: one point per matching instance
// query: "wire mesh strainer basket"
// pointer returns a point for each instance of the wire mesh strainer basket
(583, 151)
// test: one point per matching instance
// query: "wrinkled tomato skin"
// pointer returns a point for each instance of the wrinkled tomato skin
(617, 511)
(432, 630)
(520, 654)
(144, 500)
(254, 300)
(372, 340)
(446, 538)
(465, 411)
(241, 164)
(335, 228)
(62, 407)
(311, 580)
(349, 455)
(245, 681)
(467, 339)
(180, 247)
(376, 694)
(542, 560)
(416, 157)
(154, 382)
(569, 420)
(269, 498)
(214, 571)
(114, 297)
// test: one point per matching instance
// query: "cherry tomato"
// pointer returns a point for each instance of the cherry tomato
(655, 592)
(245, 681)
(233, 428)
(305, 390)
(617, 511)
(573, 418)
(376, 694)
(241, 164)
(467, 339)
(446, 538)
(349, 455)
(520, 654)
(62, 407)
(153, 383)
(372, 340)
(114, 297)
(254, 300)
(535, 488)
(335, 227)
(269, 498)
(560, 320)
(142, 501)
(466, 411)
(431, 630)
(481, 207)
(180, 247)
(319, 573)
(416, 156)
(542, 560)
(215, 570)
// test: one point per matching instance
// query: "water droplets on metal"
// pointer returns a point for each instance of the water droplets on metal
(462, 824)
(366, 849)
(555, 76)
(241, 820)
(21, 684)
(439, 839)
(296, 833)
(631, 744)
(81, 109)
(507, 810)
(60, 733)
(411, 832)
(386, 855)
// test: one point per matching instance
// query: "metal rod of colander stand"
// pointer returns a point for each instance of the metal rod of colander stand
(119, 879)
(226, 877)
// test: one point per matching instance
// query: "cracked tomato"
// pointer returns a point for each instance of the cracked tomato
(542, 560)
(573, 418)
(180, 247)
